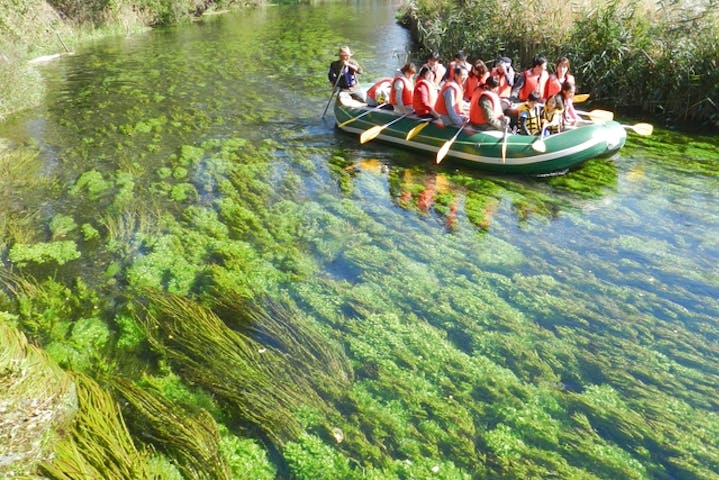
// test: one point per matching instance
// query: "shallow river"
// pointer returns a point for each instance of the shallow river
(505, 327)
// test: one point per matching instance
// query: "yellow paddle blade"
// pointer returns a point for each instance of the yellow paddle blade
(598, 115)
(415, 130)
(601, 115)
(539, 146)
(443, 151)
(371, 133)
(645, 129)
(580, 98)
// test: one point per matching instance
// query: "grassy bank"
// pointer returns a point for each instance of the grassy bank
(657, 58)
(36, 28)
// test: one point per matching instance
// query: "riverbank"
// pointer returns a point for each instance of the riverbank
(34, 31)
(634, 56)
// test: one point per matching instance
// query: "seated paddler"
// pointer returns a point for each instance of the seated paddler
(343, 74)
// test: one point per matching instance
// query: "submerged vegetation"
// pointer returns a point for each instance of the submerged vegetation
(636, 55)
(211, 290)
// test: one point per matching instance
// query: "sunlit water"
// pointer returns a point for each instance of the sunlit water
(604, 276)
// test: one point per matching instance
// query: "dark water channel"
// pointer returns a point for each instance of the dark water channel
(503, 327)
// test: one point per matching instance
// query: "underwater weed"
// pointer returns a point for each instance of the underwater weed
(191, 438)
(99, 445)
(244, 374)
(285, 327)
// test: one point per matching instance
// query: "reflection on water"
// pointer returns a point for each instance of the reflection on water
(505, 326)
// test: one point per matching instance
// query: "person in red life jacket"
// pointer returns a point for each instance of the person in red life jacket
(532, 80)
(343, 73)
(379, 93)
(504, 72)
(477, 76)
(528, 116)
(438, 70)
(450, 102)
(485, 108)
(403, 89)
(460, 60)
(570, 114)
(556, 80)
(425, 94)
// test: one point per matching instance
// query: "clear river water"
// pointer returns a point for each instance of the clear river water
(496, 326)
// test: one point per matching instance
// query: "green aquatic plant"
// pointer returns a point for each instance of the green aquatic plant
(59, 252)
(246, 458)
(89, 232)
(98, 445)
(326, 369)
(190, 438)
(65, 320)
(91, 183)
(253, 379)
(310, 459)
(61, 225)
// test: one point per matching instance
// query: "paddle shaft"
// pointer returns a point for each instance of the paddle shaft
(504, 144)
(334, 90)
(347, 122)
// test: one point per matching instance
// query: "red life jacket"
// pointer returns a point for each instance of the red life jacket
(505, 89)
(424, 97)
(554, 85)
(474, 82)
(407, 91)
(533, 83)
(458, 93)
(372, 92)
(476, 114)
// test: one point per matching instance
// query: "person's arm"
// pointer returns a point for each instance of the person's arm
(354, 66)
(509, 74)
(570, 114)
(488, 108)
(517, 86)
(523, 129)
(397, 90)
